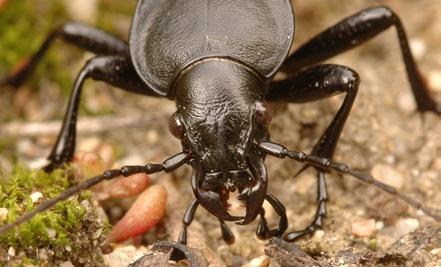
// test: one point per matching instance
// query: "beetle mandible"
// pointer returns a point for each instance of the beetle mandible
(217, 61)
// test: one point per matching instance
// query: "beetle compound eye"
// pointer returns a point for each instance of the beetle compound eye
(262, 113)
(176, 127)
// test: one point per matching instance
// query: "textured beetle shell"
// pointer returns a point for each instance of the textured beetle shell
(168, 35)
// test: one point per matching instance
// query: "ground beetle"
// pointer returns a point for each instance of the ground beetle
(217, 60)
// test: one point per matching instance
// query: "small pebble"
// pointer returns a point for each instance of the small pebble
(262, 261)
(364, 228)
(82, 10)
(88, 164)
(434, 80)
(318, 235)
(97, 234)
(85, 203)
(388, 175)
(405, 226)
(36, 196)
(379, 225)
(51, 233)
(436, 251)
(37, 163)
(3, 213)
(123, 256)
(11, 251)
(66, 264)
(406, 103)
(89, 144)
(418, 47)
(107, 153)
(42, 254)
(152, 137)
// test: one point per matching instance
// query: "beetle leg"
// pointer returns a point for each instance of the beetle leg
(187, 220)
(263, 232)
(227, 234)
(316, 83)
(84, 36)
(115, 70)
(353, 31)
(312, 84)
(322, 197)
(326, 165)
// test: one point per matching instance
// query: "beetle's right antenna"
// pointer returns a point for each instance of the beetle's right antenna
(326, 165)
(169, 164)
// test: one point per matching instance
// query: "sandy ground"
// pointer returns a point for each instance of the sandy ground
(383, 135)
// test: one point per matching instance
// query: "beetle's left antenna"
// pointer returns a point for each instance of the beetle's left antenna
(107, 175)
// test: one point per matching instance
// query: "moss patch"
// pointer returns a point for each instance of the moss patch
(70, 231)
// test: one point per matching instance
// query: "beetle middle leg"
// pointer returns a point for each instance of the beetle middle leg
(315, 83)
(81, 35)
(354, 31)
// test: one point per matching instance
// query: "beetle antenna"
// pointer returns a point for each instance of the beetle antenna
(167, 165)
(324, 164)
(107, 175)
(369, 179)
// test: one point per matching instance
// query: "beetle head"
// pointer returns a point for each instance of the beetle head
(219, 119)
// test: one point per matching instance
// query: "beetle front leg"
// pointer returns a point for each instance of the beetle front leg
(263, 231)
(312, 84)
(114, 70)
(81, 35)
(187, 220)
(354, 31)
(322, 197)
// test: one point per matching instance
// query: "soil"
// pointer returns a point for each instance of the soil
(383, 136)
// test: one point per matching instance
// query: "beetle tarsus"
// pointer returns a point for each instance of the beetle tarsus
(227, 234)
(263, 231)
(322, 197)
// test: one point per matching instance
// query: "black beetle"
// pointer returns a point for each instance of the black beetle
(217, 60)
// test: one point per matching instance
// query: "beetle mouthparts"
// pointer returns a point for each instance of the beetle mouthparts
(254, 196)
(212, 201)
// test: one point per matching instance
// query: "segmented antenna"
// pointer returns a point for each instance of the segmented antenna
(167, 165)
(107, 175)
(326, 165)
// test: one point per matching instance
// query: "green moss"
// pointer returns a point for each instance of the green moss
(69, 219)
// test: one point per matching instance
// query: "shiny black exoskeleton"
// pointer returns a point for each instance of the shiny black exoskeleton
(217, 60)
